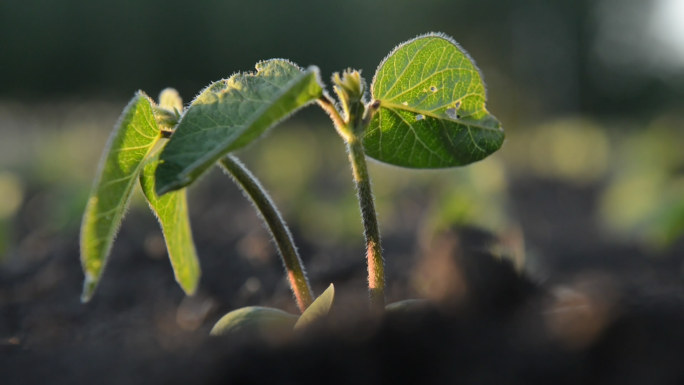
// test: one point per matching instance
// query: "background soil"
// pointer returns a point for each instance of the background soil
(590, 311)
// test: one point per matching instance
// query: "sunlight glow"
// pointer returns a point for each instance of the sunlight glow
(667, 27)
(640, 35)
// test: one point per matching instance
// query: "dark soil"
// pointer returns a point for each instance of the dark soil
(590, 312)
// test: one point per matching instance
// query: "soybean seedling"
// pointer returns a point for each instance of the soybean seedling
(425, 109)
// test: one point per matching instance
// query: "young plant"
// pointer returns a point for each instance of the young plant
(426, 110)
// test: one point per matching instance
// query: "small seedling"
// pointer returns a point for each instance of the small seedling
(425, 109)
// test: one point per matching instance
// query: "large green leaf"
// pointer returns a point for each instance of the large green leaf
(172, 212)
(230, 114)
(133, 138)
(430, 101)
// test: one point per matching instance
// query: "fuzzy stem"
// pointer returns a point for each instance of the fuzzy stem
(281, 234)
(351, 124)
(329, 107)
(376, 264)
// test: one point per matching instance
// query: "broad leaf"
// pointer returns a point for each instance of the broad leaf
(132, 140)
(431, 111)
(254, 319)
(172, 212)
(230, 114)
(318, 309)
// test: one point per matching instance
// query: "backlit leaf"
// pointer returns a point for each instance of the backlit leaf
(431, 111)
(131, 141)
(231, 113)
(318, 309)
(172, 212)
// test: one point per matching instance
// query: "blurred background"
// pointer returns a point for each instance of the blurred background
(590, 94)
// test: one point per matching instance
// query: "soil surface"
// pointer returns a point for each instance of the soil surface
(588, 311)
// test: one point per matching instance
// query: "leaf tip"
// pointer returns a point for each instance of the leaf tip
(89, 286)
(190, 288)
(319, 309)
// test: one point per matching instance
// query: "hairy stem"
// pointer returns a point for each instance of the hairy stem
(376, 264)
(329, 107)
(351, 123)
(281, 234)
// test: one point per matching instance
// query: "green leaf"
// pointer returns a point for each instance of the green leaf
(430, 101)
(254, 318)
(133, 138)
(230, 114)
(172, 212)
(318, 309)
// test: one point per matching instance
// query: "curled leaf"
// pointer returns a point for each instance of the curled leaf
(172, 212)
(133, 138)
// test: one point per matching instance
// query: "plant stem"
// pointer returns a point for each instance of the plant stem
(376, 264)
(329, 107)
(351, 124)
(281, 234)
